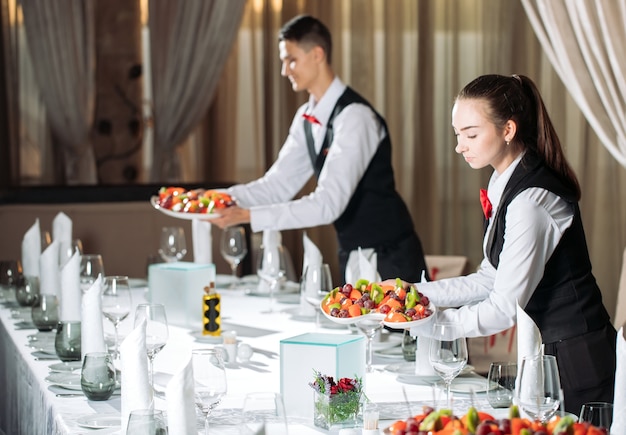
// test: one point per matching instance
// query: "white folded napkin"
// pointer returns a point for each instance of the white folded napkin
(619, 399)
(528, 338)
(362, 264)
(49, 276)
(202, 241)
(181, 407)
(91, 329)
(136, 389)
(62, 233)
(31, 250)
(270, 244)
(70, 289)
(310, 285)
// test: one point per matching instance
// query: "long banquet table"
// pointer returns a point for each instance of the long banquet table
(29, 405)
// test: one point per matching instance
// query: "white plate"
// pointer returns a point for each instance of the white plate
(467, 385)
(99, 421)
(409, 325)
(391, 352)
(70, 381)
(211, 339)
(65, 367)
(182, 214)
(42, 336)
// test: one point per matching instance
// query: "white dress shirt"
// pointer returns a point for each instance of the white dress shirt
(487, 299)
(356, 135)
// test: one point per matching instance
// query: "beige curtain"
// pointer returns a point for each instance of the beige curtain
(586, 43)
(189, 43)
(60, 36)
(410, 58)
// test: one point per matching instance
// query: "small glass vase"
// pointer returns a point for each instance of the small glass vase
(336, 411)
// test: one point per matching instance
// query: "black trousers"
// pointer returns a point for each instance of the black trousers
(586, 367)
(403, 259)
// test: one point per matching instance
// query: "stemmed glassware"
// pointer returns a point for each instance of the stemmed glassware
(173, 244)
(209, 377)
(448, 353)
(91, 265)
(539, 387)
(116, 304)
(369, 327)
(156, 331)
(234, 248)
(271, 269)
(316, 283)
(263, 413)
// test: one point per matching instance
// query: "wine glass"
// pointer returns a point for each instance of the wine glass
(263, 413)
(234, 248)
(369, 327)
(146, 422)
(173, 244)
(539, 389)
(67, 250)
(271, 269)
(599, 414)
(9, 272)
(209, 377)
(116, 304)
(156, 331)
(91, 265)
(316, 283)
(448, 353)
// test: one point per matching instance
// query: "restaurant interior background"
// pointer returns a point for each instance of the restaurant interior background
(190, 93)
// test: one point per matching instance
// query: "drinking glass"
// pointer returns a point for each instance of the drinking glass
(448, 353)
(66, 251)
(501, 384)
(97, 377)
(409, 346)
(539, 390)
(67, 341)
(156, 331)
(9, 272)
(271, 269)
(173, 244)
(263, 413)
(315, 284)
(598, 414)
(209, 377)
(146, 422)
(116, 304)
(234, 248)
(45, 312)
(369, 328)
(26, 290)
(91, 265)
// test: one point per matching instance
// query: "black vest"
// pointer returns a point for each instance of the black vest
(567, 301)
(376, 215)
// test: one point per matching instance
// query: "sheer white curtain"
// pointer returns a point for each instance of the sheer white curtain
(189, 42)
(60, 35)
(586, 43)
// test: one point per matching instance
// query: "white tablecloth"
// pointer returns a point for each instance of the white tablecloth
(29, 404)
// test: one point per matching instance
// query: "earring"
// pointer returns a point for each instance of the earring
(508, 143)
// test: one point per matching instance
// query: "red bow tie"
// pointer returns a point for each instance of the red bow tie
(484, 201)
(312, 119)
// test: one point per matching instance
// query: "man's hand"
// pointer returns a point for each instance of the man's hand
(230, 216)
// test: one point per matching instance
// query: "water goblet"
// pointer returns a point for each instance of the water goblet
(271, 269)
(116, 304)
(315, 284)
(91, 265)
(448, 353)
(9, 272)
(146, 422)
(26, 290)
(156, 331)
(45, 312)
(263, 412)
(67, 250)
(599, 414)
(97, 377)
(409, 346)
(539, 389)
(234, 248)
(173, 244)
(369, 327)
(209, 377)
(67, 341)
(501, 384)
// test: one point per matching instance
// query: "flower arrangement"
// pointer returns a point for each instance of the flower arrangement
(336, 403)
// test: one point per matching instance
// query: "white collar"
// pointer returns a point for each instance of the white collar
(324, 107)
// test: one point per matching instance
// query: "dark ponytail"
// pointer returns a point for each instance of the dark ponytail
(517, 98)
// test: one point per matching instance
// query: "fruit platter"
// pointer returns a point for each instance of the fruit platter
(188, 204)
(393, 305)
(442, 422)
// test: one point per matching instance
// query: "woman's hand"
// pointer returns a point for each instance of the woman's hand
(394, 283)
